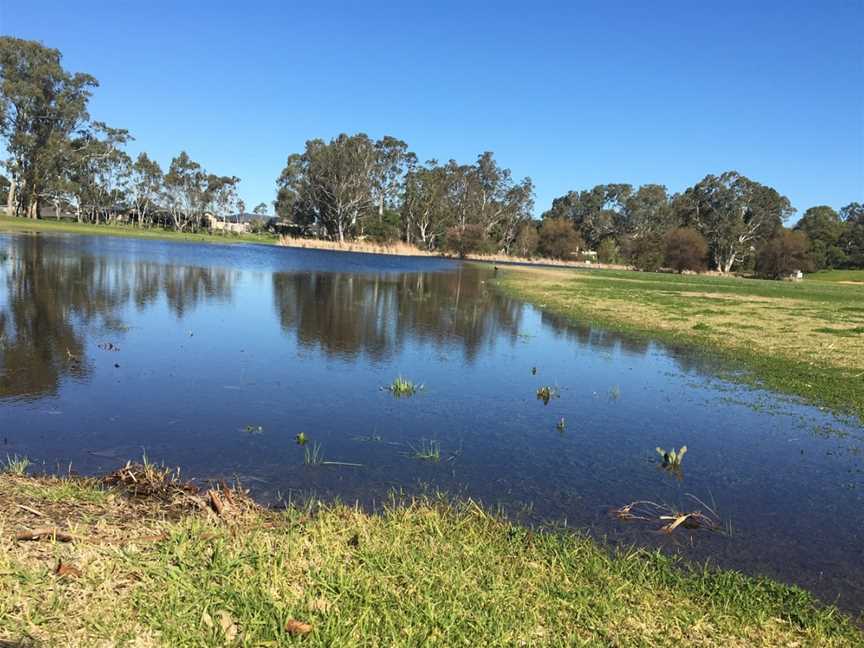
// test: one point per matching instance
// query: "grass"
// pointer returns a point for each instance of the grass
(402, 387)
(546, 394)
(838, 275)
(427, 451)
(424, 572)
(797, 338)
(10, 224)
(312, 455)
(15, 465)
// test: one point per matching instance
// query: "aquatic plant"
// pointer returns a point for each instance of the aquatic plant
(301, 438)
(313, 456)
(672, 459)
(533, 371)
(615, 393)
(16, 465)
(561, 425)
(403, 387)
(427, 451)
(254, 429)
(546, 394)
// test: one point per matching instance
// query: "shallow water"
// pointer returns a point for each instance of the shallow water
(211, 339)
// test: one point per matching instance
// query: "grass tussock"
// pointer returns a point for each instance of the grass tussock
(427, 451)
(15, 465)
(422, 572)
(402, 387)
(800, 338)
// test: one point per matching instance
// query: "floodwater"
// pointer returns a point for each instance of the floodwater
(110, 348)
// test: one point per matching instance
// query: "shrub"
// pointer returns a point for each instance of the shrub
(526, 240)
(646, 252)
(686, 249)
(558, 239)
(608, 252)
(783, 254)
(383, 229)
(465, 240)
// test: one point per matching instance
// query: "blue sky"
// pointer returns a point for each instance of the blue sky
(571, 94)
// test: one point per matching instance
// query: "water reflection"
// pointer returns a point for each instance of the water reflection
(347, 314)
(53, 298)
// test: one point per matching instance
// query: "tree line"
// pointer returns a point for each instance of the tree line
(58, 157)
(354, 187)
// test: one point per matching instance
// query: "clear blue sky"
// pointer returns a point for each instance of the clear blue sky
(571, 94)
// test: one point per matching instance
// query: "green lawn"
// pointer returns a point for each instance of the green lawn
(838, 275)
(803, 338)
(148, 572)
(8, 224)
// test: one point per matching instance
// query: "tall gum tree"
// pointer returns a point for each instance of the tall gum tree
(734, 214)
(42, 106)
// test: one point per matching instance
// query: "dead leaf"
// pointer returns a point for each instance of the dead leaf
(65, 570)
(216, 502)
(229, 628)
(206, 619)
(297, 628)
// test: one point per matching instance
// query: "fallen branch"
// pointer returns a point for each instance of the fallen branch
(31, 510)
(45, 533)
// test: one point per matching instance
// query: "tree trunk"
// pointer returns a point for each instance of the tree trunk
(10, 199)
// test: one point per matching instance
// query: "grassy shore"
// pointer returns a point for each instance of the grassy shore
(8, 224)
(805, 339)
(161, 568)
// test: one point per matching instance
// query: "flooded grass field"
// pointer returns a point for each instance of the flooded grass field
(314, 374)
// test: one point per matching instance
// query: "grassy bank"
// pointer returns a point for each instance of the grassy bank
(163, 569)
(805, 339)
(8, 224)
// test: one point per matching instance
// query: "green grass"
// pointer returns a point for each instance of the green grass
(838, 275)
(8, 224)
(424, 572)
(312, 454)
(15, 465)
(402, 387)
(799, 338)
(427, 451)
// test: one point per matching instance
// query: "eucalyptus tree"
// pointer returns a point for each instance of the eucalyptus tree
(499, 204)
(184, 192)
(260, 209)
(824, 227)
(596, 213)
(425, 207)
(220, 196)
(392, 163)
(852, 239)
(330, 183)
(145, 188)
(734, 214)
(42, 107)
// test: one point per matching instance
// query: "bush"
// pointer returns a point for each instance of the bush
(385, 228)
(465, 240)
(785, 253)
(646, 252)
(608, 252)
(558, 239)
(686, 249)
(526, 241)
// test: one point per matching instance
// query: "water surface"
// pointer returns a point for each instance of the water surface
(110, 348)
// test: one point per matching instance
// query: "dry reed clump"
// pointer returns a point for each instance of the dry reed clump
(669, 517)
(400, 248)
